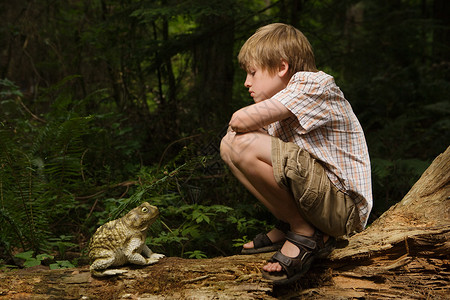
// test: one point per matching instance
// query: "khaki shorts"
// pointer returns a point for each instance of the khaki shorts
(318, 200)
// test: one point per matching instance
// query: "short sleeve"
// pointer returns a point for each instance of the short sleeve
(305, 96)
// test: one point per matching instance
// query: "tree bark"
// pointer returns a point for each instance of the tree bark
(404, 254)
(213, 60)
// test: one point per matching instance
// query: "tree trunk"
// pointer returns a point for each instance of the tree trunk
(404, 254)
(213, 59)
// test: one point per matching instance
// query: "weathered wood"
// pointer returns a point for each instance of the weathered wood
(424, 210)
(235, 277)
(405, 254)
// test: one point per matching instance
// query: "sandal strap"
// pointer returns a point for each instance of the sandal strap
(324, 248)
(307, 243)
(282, 259)
(318, 236)
(286, 260)
(261, 240)
(292, 265)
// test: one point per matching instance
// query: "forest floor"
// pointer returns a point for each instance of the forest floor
(409, 276)
(404, 254)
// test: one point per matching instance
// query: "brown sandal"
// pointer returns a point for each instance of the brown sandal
(296, 267)
(262, 243)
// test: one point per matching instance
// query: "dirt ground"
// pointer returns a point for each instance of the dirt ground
(404, 254)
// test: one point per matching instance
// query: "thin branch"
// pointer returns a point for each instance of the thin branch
(171, 144)
(29, 111)
(125, 183)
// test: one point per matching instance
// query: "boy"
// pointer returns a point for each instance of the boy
(300, 150)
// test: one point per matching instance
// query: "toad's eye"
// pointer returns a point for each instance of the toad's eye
(144, 209)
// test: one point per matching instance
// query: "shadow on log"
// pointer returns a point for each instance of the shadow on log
(404, 254)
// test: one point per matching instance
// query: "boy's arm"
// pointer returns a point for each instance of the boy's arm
(258, 115)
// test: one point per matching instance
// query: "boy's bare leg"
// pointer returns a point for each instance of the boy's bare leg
(249, 157)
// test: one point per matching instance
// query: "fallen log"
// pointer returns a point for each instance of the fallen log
(404, 254)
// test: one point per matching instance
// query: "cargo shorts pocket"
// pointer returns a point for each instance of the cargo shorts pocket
(297, 171)
(308, 181)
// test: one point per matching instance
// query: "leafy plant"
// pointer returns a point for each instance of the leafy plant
(238, 243)
(61, 264)
(62, 243)
(41, 169)
(30, 260)
(196, 254)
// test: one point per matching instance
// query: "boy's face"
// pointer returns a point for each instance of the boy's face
(262, 85)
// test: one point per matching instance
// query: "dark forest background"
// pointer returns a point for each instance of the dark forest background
(104, 104)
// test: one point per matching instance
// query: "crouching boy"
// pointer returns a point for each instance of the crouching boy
(300, 150)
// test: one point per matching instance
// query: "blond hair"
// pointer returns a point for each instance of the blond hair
(275, 42)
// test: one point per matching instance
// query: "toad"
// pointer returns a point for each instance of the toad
(122, 241)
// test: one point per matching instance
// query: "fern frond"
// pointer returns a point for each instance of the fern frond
(7, 223)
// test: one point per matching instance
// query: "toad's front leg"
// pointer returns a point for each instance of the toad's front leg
(152, 257)
(134, 251)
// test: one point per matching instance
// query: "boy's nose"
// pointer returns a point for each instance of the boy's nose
(247, 82)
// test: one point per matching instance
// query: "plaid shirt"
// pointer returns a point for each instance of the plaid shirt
(325, 125)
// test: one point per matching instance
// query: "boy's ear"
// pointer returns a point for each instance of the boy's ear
(283, 68)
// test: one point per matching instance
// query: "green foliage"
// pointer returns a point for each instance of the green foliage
(191, 226)
(30, 260)
(62, 243)
(39, 176)
(394, 177)
(185, 228)
(8, 90)
(61, 264)
(44, 165)
(240, 242)
(196, 254)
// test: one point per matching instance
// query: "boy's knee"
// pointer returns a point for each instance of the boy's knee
(235, 148)
(226, 146)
